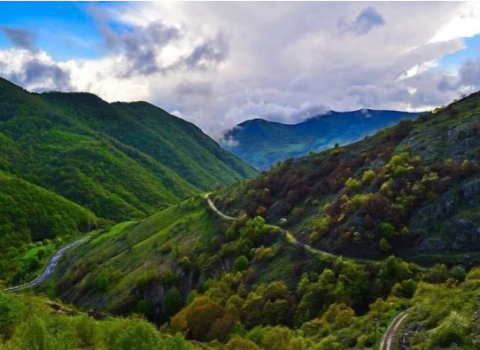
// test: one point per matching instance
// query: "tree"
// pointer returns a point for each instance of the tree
(388, 231)
(138, 335)
(222, 327)
(384, 245)
(240, 264)
(201, 314)
(173, 301)
(10, 313)
(102, 281)
(238, 343)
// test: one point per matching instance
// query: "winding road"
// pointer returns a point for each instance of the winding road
(391, 332)
(49, 269)
(288, 236)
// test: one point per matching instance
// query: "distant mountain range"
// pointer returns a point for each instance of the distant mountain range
(263, 143)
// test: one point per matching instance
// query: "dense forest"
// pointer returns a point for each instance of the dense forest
(119, 160)
(71, 163)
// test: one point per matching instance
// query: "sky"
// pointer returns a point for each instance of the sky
(218, 64)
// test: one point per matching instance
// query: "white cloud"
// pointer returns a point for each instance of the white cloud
(217, 64)
(464, 23)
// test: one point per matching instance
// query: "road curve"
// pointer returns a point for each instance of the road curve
(49, 269)
(391, 332)
(215, 209)
(289, 237)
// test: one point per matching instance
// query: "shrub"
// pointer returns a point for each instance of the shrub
(453, 329)
(240, 264)
(368, 176)
(388, 231)
(139, 335)
(173, 301)
(384, 245)
(238, 343)
(352, 184)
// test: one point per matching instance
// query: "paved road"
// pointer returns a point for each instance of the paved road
(391, 332)
(214, 208)
(288, 236)
(49, 269)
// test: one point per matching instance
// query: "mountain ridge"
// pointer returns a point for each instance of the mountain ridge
(262, 143)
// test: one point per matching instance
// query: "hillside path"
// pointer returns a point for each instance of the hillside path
(288, 236)
(49, 269)
(391, 332)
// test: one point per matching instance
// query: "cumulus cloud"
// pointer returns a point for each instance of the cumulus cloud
(142, 47)
(470, 74)
(366, 20)
(212, 51)
(218, 64)
(35, 71)
(19, 37)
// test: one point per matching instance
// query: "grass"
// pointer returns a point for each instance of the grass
(131, 249)
(33, 252)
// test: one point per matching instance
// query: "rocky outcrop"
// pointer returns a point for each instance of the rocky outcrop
(451, 223)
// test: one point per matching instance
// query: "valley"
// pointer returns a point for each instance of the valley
(326, 251)
(239, 176)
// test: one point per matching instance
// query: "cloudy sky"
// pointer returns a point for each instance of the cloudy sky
(217, 64)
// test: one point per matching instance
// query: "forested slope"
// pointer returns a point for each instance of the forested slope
(411, 190)
(119, 160)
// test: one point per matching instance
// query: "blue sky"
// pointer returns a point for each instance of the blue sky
(218, 64)
(456, 59)
(63, 29)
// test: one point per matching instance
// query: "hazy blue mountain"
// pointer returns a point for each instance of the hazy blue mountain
(263, 143)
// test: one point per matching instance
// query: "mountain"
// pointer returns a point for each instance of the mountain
(409, 190)
(119, 160)
(263, 143)
(303, 256)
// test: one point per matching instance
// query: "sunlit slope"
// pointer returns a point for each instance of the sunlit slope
(119, 160)
(412, 190)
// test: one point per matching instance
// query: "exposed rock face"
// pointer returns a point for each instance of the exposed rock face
(411, 329)
(451, 223)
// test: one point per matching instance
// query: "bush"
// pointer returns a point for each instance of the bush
(368, 176)
(139, 335)
(388, 231)
(452, 330)
(384, 245)
(240, 264)
(352, 184)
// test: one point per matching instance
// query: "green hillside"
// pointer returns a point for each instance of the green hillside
(245, 284)
(29, 214)
(119, 160)
(242, 285)
(263, 143)
(116, 268)
(411, 190)
(34, 322)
